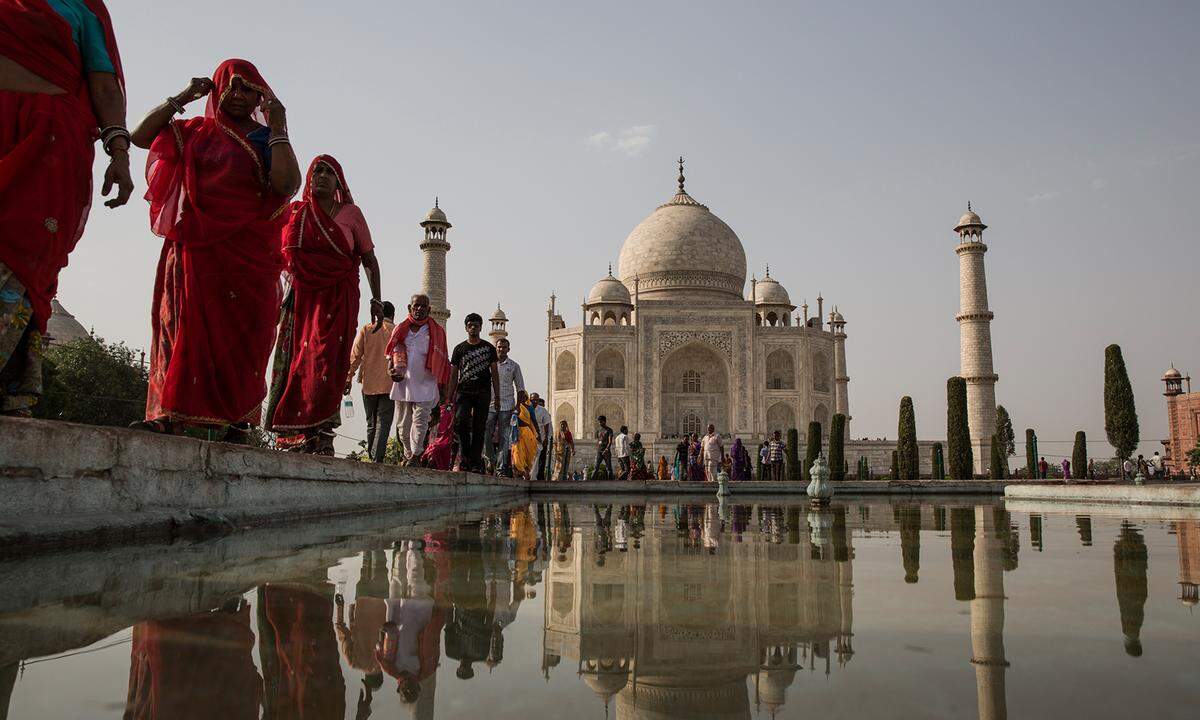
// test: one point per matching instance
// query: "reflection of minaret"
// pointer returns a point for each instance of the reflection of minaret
(1035, 532)
(1129, 565)
(435, 247)
(843, 555)
(910, 540)
(1187, 534)
(987, 619)
(975, 337)
(962, 547)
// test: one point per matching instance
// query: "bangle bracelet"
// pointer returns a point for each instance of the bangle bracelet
(111, 134)
(278, 141)
(175, 105)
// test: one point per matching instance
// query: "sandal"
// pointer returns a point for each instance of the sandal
(159, 426)
(238, 434)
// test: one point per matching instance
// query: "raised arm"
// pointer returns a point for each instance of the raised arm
(285, 170)
(154, 122)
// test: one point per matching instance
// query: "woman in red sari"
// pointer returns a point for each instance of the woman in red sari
(218, 187)
(61, 88)
(325, 241)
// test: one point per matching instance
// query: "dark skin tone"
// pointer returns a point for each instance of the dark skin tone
(108, 104)
(324, 190)
(562, 427)
(237, 108)
(418, 309)
(473, 330)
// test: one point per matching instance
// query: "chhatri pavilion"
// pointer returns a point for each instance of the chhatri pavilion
(677, 340)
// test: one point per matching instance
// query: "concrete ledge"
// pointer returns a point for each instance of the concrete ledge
(1187, 495)
(61, 483)
(755, 488)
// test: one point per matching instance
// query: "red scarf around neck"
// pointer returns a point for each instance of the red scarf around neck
(437, 362)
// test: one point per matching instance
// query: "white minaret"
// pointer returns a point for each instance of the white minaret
(499, 323)
(975, 337)
(435, 247)
(841, 387)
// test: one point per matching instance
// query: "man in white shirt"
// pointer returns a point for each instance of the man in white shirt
(712, 452)
(498, 435)
(416, 393)
(621, 450)
(541, 416)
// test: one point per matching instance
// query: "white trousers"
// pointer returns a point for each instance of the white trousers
(412, 422)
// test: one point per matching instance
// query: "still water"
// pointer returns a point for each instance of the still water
(949, 609)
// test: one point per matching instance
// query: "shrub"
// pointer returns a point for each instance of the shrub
(909, 458)
(794, 471)
(1120, 415)
(958, 432)
(939, 463)
(94, 382)
(837, 447)
(1031, 456)
(1079, 459)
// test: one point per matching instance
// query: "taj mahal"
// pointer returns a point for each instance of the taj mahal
(672, 342)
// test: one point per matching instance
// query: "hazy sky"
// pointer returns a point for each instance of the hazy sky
(841, 144)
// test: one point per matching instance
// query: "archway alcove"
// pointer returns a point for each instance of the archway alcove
(564, 371)
(780, 416)
(694, 382)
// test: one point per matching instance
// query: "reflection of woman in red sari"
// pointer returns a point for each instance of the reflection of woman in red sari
(199, 666)
(218, 186)
(325, 240)
(61, 87)
(299, 653)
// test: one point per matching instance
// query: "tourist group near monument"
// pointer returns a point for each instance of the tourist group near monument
(672, 373)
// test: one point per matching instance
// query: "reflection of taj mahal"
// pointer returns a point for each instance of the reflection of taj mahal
(675, 628)
(671, 344)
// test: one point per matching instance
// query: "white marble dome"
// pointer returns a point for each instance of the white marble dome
(769, 291)
(683, 251)
(609, 291)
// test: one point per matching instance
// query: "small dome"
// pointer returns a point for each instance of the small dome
(1172, 373)
(435, 215)
(498, 315)
(970, 219)
(606, 684)
(609, 290)
(769, 291)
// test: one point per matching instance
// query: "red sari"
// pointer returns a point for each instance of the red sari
(320, 316)
(217, 292)
(46, 148)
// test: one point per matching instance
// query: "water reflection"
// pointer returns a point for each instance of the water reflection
(699, 610)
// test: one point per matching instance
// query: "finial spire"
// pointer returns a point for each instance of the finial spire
(968, 206)
(768, 269)
(610, 270)
(681, 175)
(435, 201)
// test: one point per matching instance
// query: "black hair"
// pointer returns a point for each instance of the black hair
(624, 430)
(389, 310)
(601, 419)
(473, 317)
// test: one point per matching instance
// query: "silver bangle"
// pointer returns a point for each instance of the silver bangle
(175, 105)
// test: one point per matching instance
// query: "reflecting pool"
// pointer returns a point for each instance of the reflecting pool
(948, 608)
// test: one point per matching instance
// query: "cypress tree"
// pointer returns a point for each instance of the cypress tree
(1004, 428)
(1031, 455)
(794, 471)
(814, 447)
(895, 466)
(939, 463)
(996, 463)
(1120, 415)
(837, 447)
(862, 467)
(1079, 457)
(909, 460)
(958, 433)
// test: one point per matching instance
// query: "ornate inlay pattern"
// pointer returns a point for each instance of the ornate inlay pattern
(672, 339)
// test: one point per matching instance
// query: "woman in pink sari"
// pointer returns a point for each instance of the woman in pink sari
(325, 241)
(218, 187)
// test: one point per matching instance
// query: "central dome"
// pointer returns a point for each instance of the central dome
(683, 251)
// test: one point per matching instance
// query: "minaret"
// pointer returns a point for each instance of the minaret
(435, 247)
(987, 620)
(975, 337)
(499, 323)
(841, 388)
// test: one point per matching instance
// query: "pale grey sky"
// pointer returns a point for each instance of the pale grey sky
(840, 141)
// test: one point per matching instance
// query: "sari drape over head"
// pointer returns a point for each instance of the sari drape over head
(563, 451)
(524, 439)
(46, 147)
(320, 314)
(217, 290)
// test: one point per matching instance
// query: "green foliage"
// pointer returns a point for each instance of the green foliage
(864, 468)
(958, 432)
(793, 455)
(1079, 458)
(939, 463)
(1120, 415)
(1004, 429)
(910, 460)
(1031, 456)
(837, 447)
(392, 455)
(996, 462)
(94, 382)
(895, 475)
(1193, 455)
(814, 447)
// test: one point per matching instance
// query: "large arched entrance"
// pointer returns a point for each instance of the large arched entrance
(694, 385)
